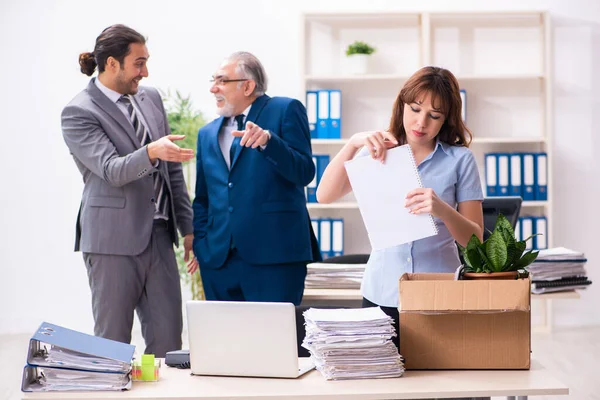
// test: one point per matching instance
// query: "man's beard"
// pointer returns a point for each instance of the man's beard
(226, 110)
(126, 86)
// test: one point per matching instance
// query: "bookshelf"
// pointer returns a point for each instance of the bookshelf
(501, 59)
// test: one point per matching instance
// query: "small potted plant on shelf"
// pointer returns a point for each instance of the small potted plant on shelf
(358, 57)
(500, 256)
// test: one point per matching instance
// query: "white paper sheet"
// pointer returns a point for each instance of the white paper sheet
(380, 190)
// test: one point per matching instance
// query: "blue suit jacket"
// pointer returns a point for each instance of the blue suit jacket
(259, 203)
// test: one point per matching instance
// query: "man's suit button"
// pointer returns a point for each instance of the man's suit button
(230, 209)
(153, 200)
(151, 174)
(230, 185)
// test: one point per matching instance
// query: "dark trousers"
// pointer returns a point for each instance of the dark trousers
(237, 280)
(393, 313)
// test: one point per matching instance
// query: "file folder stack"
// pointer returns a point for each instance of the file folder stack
(60, 359)
(558, 269)
(324, 111)
(334, 276)
(330, 236)
(517, 174)
(353, 343)
(537, 226)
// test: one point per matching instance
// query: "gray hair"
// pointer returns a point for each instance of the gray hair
(251, 68)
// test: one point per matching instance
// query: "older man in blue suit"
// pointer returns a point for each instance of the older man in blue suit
(252, 234)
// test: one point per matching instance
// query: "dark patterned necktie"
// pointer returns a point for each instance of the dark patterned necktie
(140, 129)
(236, 140)
(141, 132)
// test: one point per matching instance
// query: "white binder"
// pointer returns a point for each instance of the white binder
(528, 181)
(503, 174)
(337, 237)
(323, 114)
(526, 231)
(515, 175)
(325, 237)
(541, 229)
(491, 174)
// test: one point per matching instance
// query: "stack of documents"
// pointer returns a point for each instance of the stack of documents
(353, 343)
(60, 359)
(558, 269)
(334, 276)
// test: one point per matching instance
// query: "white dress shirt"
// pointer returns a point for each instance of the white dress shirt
(225, 136)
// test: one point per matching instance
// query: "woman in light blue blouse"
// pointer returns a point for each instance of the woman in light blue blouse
(427, 116)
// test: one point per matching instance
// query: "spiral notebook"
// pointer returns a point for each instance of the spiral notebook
(380, 190)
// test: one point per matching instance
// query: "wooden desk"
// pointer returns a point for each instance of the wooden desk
(179, 384)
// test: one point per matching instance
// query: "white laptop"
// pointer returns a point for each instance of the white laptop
(244, 339)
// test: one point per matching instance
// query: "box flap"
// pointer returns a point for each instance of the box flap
(441, 293)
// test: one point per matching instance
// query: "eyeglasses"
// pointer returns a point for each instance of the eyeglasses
(223, 81)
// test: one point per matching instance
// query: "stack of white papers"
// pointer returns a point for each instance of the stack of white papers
(64, 358)
(334, 276)
(57, 379)
(558, 269)
(353, 343)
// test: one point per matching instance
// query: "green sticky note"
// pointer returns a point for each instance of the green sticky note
(147, 367)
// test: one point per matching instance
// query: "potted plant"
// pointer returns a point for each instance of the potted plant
(358, 57)
(500, 256)
(184, 120)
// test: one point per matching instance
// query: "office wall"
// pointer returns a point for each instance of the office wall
(42, 279)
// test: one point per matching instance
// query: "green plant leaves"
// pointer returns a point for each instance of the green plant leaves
(504, 224)
(471, 254)
(499, 252)
(527, 259)
(496, 251)
(359, 47)
(183, 119)
(514, 250)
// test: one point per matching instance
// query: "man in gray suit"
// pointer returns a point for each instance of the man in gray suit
(134, 196)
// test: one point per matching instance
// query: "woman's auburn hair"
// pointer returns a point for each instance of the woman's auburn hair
(445, 97)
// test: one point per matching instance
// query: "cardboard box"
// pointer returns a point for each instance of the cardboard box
(467, 324)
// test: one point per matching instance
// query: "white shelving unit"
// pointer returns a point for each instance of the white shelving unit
(500, 59)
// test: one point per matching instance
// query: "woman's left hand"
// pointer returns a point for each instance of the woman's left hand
(424, 201)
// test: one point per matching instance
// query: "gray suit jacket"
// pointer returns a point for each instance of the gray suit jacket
(117, 207)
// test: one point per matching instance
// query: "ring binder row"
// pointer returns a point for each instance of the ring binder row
(528, 226)
(517, 174)
(416, 170)
(330, 236)
(324, 111)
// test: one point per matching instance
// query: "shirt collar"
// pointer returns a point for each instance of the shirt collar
(245, 112)
(111, 94)
(442, 145)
